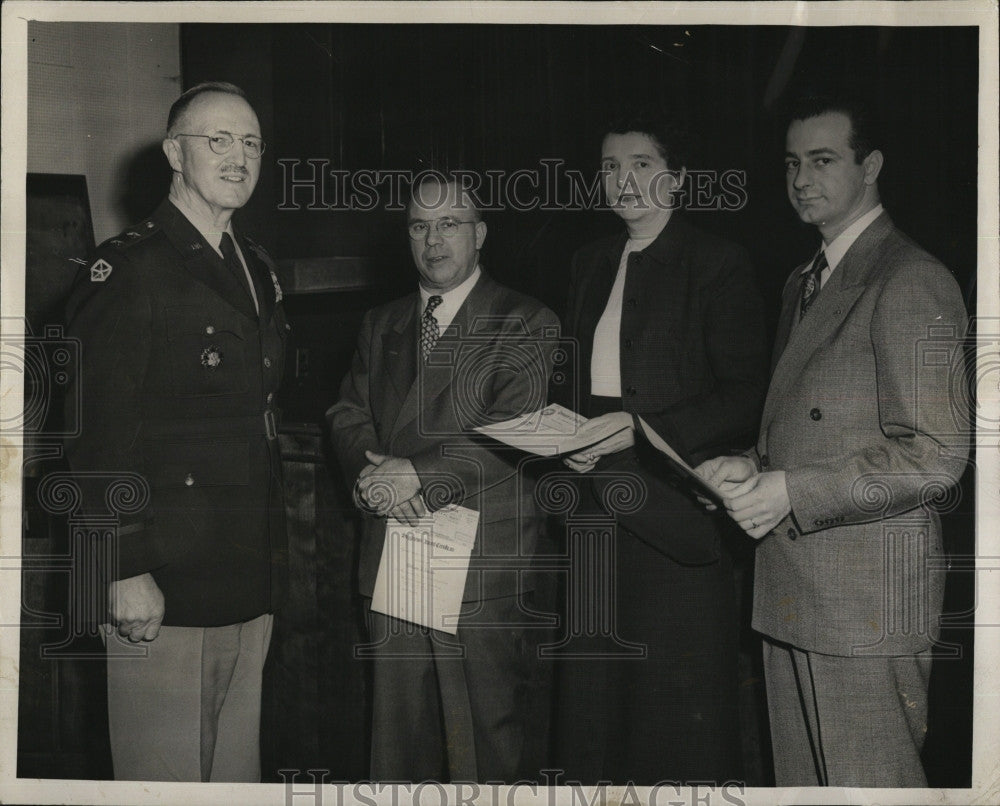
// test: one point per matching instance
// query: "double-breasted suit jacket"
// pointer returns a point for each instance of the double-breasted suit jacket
(177, 380)
(864, 416)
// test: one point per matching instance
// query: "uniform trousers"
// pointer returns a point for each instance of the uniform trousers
(186, 706)
(846, 721)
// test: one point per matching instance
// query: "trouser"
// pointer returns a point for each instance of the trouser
(846, 721)
(186, 706)
(469, 707)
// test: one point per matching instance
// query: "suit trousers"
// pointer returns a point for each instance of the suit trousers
(186, 706)
(469, 707)
(846, 721)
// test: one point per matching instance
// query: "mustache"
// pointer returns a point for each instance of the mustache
(235, 169)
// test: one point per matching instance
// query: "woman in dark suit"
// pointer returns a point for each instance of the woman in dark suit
(668, 325)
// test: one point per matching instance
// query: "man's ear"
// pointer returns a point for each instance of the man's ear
(173, 151)
(873, 166)
(480, 234)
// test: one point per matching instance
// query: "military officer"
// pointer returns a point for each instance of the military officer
(183, 336)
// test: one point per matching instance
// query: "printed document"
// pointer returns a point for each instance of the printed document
(421, 577)
(550, 431)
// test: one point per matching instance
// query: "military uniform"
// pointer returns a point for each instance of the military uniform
(177, 381)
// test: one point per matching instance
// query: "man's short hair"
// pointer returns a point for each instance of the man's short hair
(461, 178)
(671, 135)
(865, 136)
(180, 106)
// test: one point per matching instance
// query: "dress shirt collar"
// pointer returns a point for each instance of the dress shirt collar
(837, 248)
(451, 300)
(205, 227)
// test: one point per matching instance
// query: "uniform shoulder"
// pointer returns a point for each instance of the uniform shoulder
(117, 256)
(129, 238)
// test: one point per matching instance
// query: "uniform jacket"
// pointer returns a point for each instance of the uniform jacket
(862, 417)
(491, 364)
(177, 382)
(693, 363)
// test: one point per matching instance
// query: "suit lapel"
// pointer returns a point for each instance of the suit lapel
(595, 295)
(201, 260)
(434, 377)
(399, 357)
(827, 313)
(260, 274)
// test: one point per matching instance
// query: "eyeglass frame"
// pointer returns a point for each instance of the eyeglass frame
(234, 137)
(437, 227)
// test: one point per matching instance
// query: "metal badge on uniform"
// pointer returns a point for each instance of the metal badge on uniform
(211, 357)
(100, 271)
(277, 287)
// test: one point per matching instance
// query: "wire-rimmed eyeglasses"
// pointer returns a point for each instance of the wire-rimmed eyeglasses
(445, 227)
(222, 142)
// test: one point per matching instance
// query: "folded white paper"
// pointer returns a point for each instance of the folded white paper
(421, 576)
(551, 431)
(681, 468)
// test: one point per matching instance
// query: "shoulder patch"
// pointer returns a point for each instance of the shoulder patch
(132, 235)
(100, 271)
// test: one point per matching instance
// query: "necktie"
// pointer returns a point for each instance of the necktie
(811, 286)
(228, 249)
(429, 327)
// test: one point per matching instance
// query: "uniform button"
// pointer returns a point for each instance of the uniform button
(630, 391)
(765, 460)
(628, 342)
(270, 396)
(816, 414)
(210, 330)
(792, 534)
(267, 361)
(189, 481)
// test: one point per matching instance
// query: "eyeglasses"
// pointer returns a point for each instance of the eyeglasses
(222, 142)
(445, 227)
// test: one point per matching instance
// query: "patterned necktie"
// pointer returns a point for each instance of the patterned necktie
(429, 327)
(811, 286)
(228, 249)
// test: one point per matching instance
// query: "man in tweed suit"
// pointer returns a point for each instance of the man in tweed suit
(858, 433)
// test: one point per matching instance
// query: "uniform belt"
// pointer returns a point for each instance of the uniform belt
(264, 424)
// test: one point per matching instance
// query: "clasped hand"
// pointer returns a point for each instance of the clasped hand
(585, 461)
(390, 486)
(756, 501)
